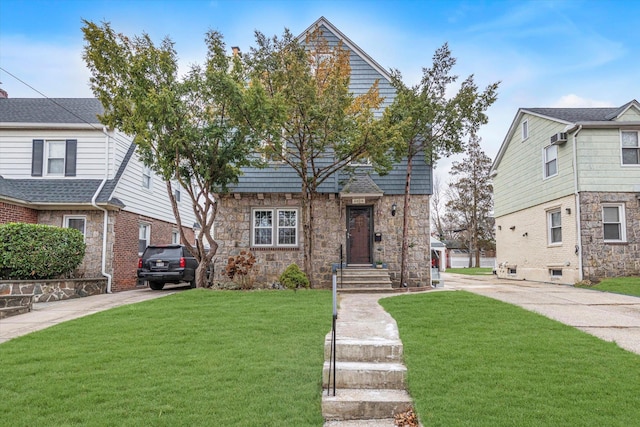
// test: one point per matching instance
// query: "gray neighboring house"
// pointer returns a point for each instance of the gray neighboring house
(567, 194)
(60, 166)
(362, 214)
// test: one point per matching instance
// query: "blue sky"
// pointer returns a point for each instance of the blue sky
(574, 53)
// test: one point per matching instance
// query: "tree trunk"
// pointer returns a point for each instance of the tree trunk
(405, 223)
(307, 220)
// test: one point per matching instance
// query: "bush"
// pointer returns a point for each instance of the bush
(240, 266)
(294, 278)
(36, 251)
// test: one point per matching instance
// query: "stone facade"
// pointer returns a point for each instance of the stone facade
(232, 231)
(603, 259)
(54, 290)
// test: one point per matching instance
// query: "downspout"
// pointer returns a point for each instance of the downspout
(576, 192)
(105, 220)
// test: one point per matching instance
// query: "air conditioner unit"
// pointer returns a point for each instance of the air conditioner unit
(559, 138)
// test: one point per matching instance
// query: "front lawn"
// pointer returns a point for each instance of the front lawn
(199, 357)
(475, 271)
(618, 285)
(474, 361)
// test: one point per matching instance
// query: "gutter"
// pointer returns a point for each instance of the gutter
(576, 192)
(105, 216)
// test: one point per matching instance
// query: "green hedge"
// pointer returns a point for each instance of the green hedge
(36, 251)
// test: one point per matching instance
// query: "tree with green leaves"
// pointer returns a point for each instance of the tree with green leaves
(199, 129)
(318, 125)
(470, 201)
(431, 123)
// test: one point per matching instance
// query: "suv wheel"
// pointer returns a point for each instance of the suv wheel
(156, 286)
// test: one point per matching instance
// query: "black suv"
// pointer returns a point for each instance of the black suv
(162, 264)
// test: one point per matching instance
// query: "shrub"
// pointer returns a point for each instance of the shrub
(240, 266)
(36, 251)
(294, 278)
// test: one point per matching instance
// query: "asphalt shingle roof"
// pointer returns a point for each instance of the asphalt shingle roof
(576, 115)
(62, 191)
(50, 110)
(361, 184)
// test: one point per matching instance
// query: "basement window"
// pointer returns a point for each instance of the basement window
(555, 273)
(512, 271)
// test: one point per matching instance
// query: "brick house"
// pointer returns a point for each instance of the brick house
(360, 213)
(60, 166)
(567, 194)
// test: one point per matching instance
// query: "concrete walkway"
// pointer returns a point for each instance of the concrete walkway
(608, 316)
(46, 314)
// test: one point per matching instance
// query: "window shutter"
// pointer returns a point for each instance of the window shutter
(70, 157)
(36, 157)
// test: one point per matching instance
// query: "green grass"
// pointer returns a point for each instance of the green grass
(475, 271)
(199, 357)
(474, 361)
(618, 285)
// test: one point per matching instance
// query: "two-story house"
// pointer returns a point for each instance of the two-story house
(567, 194)
(362, 214)
(60, 166)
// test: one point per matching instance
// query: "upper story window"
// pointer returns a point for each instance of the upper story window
(613, 223)
(53, 157)
(144, 235)
(554, 220)
(146, 176)
(525, 130)
(630, 147)
(550, 161)
(176, 190)
(77, 222)
(274, 227)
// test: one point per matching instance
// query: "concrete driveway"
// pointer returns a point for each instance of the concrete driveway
(608, 316)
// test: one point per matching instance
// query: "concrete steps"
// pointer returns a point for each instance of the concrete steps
(364, 279)
(370, 378)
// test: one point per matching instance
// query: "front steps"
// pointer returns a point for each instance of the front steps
(370, 376)
(364, 279)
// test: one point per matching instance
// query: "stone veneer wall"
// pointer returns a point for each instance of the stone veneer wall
(54, 290)
(232, 232)
(600, 259)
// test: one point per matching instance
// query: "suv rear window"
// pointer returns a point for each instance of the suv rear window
(163, 253)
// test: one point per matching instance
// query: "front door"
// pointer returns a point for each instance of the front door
(359, 234)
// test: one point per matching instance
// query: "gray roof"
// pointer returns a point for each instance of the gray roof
(361, 184)
(50, 110)
(576, 115)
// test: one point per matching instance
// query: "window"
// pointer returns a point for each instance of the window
(275, 227)
(525, 130)
(77, 222)
(144, 231)
(176, 191)
(175, 236)
(613, 223)
(512, 271)
(54, 158)
(555, 273)
(630, 148)
(550, 161)
(146, 176)
(555, 227)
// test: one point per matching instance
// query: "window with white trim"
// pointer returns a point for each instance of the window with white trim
(176, 190)
(613, 223)
(146, 176)
(554, 220)
(551, 161)
(274, 227)
(630, 147)
(144, 233)
(525, 129)
(55, 157)
(77, 222)
(175, 236)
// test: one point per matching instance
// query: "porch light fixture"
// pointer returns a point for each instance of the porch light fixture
(394, 208)
(196, 228)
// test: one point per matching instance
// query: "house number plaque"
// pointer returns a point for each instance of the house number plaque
(358, 201)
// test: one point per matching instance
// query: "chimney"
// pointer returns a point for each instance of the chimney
(3, 93)
(236, 51)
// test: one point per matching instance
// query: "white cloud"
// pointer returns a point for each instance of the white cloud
(575, 101)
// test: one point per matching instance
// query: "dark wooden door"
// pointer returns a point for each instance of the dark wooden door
(359, 235)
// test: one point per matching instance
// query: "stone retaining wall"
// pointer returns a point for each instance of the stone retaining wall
(54, 290)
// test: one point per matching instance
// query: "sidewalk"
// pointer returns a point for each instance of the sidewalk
(48, 314)
(608, 316)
